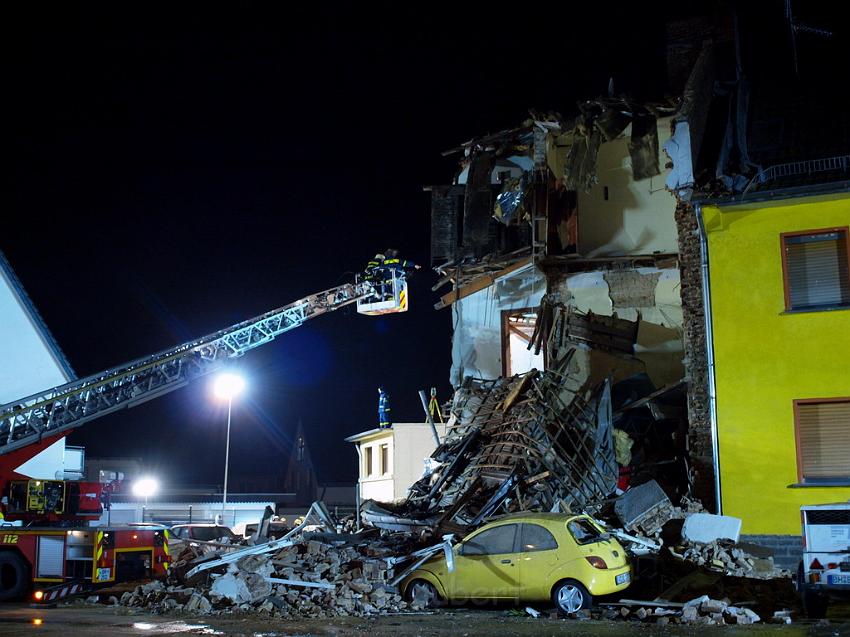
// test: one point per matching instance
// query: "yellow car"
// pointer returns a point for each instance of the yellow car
(527, 557)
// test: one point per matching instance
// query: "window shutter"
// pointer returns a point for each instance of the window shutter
(824, 436)
(817, 269)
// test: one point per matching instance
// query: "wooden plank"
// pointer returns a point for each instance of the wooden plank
(476, 285)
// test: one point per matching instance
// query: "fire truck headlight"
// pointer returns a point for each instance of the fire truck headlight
(39, 595)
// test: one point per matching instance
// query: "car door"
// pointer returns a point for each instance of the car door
(486, 565)
(538, 557)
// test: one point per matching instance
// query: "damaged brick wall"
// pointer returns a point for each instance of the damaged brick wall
(696, 361)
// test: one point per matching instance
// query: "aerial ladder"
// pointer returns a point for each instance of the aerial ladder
(55, 411)
(31, 424)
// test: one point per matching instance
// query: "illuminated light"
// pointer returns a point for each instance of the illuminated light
(143, 626)
(228, 386)
(145, 487)
(135, 537)
(37, 621)
(596, 562)
(39, 595)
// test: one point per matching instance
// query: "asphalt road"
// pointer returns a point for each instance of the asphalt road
(96, 621)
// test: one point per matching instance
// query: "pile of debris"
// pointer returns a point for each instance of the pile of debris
(306, 573)
(730, 559)
(560, 440)
(700, 611)
(327, 576)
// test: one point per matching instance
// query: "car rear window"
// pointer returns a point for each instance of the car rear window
(210, 533)
(583, 531)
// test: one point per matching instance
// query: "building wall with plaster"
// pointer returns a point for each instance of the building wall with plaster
(477, 323)
(624, 216)
(648, 294)
(766, 357)
(408, 445)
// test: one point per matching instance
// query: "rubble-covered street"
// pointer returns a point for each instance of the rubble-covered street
(97, 621)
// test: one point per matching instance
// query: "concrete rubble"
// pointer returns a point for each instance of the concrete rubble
(327, 577)
(699, 611)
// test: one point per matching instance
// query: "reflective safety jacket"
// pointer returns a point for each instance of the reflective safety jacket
(399, 264)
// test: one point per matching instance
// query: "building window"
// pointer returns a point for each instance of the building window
(385, 459)
(815, 266)
(367, 461)
(517, 330)
(823, 440)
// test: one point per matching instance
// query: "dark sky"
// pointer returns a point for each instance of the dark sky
(172, 173)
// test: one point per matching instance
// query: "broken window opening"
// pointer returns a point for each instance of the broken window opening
(583, 531)
(518, 355)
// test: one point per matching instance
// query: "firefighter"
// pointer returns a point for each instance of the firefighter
(373, 267)
(384, 419)
(374, 274)
(393, 262)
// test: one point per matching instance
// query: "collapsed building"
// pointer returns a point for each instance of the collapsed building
(554, 228)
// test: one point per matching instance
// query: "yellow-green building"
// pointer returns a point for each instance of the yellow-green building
(778, 322)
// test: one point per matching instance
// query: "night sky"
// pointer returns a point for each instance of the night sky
(170, 174)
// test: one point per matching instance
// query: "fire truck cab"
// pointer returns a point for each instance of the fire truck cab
(41, 560)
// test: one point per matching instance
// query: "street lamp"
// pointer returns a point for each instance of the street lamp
(145, 488)
(227, 387)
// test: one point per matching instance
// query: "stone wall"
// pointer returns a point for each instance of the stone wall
(696, 363)
(787, 549)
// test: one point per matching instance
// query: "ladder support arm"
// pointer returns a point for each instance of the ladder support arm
(59, 409)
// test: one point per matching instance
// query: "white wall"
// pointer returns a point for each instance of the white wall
(27, 361)
(637, 217)
(660, 334)
(408, 445)
(477, 324)
(412, 444)
(377, 484)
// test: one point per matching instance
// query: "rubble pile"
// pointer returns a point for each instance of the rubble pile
(560, 440)
(700, 611)
(728, 558)
(310, 578)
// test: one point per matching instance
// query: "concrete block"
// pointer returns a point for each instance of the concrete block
(704, 528)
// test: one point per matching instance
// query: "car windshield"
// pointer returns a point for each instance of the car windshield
(583, 531)
(210, 533)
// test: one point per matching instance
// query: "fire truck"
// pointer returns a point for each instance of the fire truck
(47, 543)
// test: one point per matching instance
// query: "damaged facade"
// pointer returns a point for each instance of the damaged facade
(594, 292)
(642, 215)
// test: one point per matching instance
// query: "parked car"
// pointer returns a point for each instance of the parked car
(528, 557)
(824, 572)
(203, 532)
(277, 528)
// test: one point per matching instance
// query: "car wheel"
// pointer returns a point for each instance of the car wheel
(14, 576)
(424, 593)
(570, 597)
